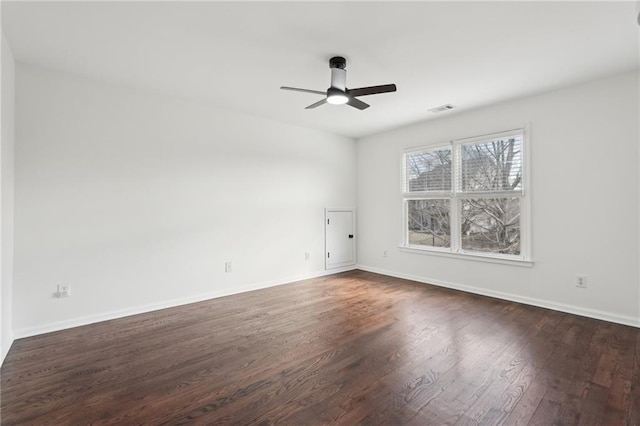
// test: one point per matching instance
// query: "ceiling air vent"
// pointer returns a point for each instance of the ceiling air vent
(441, 108)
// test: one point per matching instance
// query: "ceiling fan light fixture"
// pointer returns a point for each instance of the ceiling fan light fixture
(336, 97)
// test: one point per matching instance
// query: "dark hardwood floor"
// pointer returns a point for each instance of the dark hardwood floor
(353, 348)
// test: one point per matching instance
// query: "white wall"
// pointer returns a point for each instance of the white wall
(137, 200)
(584, 193)
(6, 200)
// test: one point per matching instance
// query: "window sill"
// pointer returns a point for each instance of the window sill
(470, 256)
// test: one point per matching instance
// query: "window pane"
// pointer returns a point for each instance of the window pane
(491, 225)
(429, 223)
(428, 170)
(494, 165)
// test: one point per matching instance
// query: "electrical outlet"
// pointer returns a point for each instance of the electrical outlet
(227, 266)
(384, 253)
(581, 281)
(306, 256)
(64, 290)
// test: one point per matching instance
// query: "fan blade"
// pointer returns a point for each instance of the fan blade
(362, 91)
(356, 103)
(295, 89)
(317, 104)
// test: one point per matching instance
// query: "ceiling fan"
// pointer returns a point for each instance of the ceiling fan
(338, 93)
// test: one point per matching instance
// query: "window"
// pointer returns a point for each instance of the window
(467, 197)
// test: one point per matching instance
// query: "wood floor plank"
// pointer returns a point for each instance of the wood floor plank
(527, 405)
(520, 365)
(395, 362)
(352, 348)
(633, 411)
(408, 393)
(545, 414)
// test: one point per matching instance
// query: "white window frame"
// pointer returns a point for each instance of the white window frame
(456, 197)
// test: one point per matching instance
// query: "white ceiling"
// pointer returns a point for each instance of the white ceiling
(237, 55)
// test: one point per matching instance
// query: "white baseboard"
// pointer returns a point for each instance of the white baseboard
(570, 309)
(106, 316)
(91, 319)
(4, 350)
